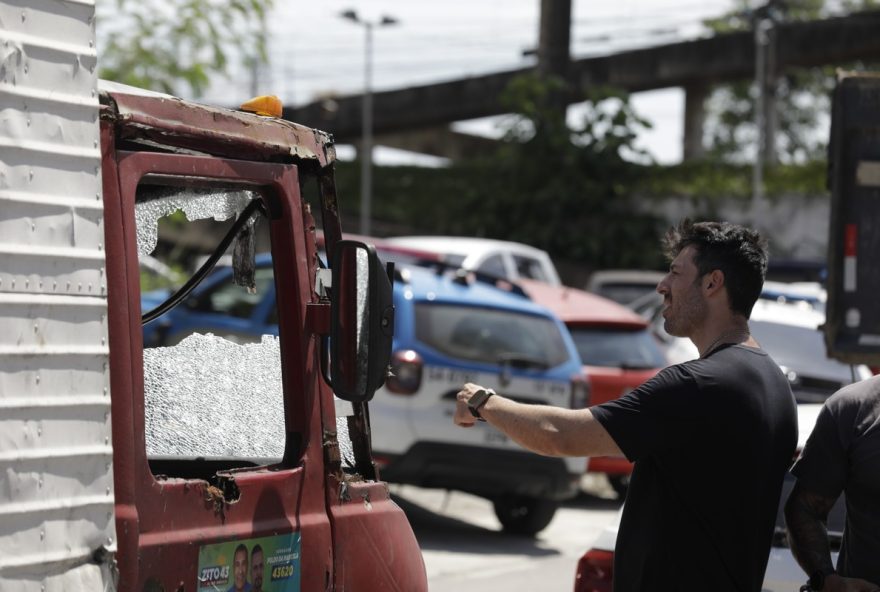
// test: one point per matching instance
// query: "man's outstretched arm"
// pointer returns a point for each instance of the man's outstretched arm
(806, 516)
(547, 430)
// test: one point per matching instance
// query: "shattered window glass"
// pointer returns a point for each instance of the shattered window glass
(212, 363)
(156, 202)
(208, 396)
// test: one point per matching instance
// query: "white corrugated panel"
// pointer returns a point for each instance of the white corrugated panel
(57, 528)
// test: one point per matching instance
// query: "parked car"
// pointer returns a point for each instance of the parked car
(595, 569)
(624, 285)
(790, 333)
(810, 293)
(217, 306)
(505, 259)
(220, 307)
(389, 252)
(448, 330)
(616, 347)
(451, 329)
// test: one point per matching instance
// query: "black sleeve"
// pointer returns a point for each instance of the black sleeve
(822, 466)
(659, 415)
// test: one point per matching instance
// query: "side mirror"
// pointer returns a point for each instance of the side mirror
(362, 325)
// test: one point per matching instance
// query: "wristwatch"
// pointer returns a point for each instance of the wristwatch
(817, 579)
(477, 400)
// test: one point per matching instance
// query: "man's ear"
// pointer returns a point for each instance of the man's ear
(713, 281)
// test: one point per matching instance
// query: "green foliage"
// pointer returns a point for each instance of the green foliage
(564, 186)
(565, 190)
(163, 45)
(711, 181)
(476, 199)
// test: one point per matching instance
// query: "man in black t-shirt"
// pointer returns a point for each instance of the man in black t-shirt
(711, 438)
(842, 455)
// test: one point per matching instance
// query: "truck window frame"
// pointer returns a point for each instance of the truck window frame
(273, 181)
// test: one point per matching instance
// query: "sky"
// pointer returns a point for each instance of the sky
(314, 51)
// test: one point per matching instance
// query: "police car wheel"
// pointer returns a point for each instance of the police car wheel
(524, 515)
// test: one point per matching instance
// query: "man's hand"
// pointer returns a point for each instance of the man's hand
(462, 416)
(838, 583)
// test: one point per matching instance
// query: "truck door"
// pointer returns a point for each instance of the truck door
(219, 475)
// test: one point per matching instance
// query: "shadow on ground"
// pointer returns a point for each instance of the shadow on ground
(589, 501)
(438, 532)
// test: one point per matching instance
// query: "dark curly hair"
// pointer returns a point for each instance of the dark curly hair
(738, 252)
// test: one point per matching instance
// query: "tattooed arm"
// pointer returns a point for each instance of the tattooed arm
(806, 515)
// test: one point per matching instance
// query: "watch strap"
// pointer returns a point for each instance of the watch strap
(817, 579)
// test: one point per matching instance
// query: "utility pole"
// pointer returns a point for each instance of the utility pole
(365, 150)
(257, 63)
(761, 39)
(766, 115)
(771, 113)
(554, 39)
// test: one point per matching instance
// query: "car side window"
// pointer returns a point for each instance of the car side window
(493, 266)
(490, 335)
(230, 299)
(530, 268)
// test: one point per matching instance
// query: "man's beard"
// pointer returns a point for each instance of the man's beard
(690, 312)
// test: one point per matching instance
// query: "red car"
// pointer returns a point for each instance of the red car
(616, 346)
(390, 252)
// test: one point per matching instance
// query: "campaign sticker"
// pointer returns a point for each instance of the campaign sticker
(266, 564)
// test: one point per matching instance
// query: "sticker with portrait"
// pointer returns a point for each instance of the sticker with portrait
(266, 564)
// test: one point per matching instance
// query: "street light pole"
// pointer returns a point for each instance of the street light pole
(761, 40)
(367, 134)
(366, 148)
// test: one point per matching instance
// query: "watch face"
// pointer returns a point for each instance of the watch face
(479, 397)
(476, 401)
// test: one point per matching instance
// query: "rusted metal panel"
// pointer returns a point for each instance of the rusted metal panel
(214, 130)
(57, 528)
(375, 547)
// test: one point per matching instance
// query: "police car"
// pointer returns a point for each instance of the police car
(458, 327)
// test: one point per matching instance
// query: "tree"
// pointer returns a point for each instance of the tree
(163, 45)
(566, 189)
(802, 94)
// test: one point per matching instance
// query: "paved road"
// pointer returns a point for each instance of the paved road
(465, 550)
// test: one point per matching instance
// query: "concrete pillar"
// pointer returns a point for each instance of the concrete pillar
(694, 118)
(768, 97)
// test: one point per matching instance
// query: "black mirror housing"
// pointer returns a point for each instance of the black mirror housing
(362, 321)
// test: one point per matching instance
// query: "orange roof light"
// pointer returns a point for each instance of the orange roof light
(266, 105)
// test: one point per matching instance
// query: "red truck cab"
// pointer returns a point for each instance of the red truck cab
(204, 500)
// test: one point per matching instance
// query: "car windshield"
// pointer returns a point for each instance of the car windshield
(625, 293)
(528, 267)
(617, 348)
(491, 336)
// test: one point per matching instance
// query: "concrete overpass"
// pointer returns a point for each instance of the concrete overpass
(418, 118)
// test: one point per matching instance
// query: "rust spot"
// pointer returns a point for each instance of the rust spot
(331, 451)
(223, 492)
(214, 498)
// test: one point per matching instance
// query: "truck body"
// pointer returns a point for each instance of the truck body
(852, 330)
(114, 476)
